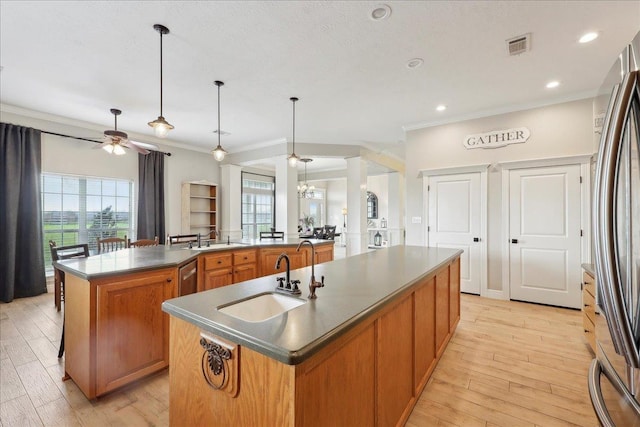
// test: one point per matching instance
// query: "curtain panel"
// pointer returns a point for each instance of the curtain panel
(21, 246)
(151, 196)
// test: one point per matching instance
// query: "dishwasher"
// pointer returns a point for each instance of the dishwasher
(188, 279)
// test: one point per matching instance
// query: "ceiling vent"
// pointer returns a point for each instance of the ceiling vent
(520, 44)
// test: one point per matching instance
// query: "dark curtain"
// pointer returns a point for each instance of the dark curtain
(151, 196)
(21, 249)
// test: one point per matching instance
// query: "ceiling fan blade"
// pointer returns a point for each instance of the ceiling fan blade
(145, 145)
(134, 147)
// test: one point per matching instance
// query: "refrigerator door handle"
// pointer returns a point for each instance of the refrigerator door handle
(595, 391)
(610, 286)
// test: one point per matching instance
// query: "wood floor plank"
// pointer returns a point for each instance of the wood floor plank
(40, 388)
(11, 386)
(19, 412)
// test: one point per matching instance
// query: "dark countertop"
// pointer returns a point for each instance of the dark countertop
(589, 268)
(153, 257)
(355, 287)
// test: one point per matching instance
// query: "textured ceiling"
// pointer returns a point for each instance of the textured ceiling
(79, 59)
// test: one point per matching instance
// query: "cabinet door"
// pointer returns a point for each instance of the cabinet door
(132, 332)
(324, 253)
(454, 294)
(394, 363)
(244, 272)
(424, 330)
(442, 309)
(217, 278)
(269, 256)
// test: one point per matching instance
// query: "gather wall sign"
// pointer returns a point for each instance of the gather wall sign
(497, 138)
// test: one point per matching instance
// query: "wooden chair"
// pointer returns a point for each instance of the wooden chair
(64, 252)
(330, 232)
(318, 232)
(182, 238)
(111, 244)
(272, 235)
(59, 253)
(142, 242)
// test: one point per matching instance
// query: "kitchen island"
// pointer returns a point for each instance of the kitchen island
(115, 330)
(359, 354)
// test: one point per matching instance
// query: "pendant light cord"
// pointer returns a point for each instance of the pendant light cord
(294, 129)
(218, 115)
(161, 74)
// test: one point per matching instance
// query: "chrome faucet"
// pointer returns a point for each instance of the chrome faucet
(200, 236)
(313, 285)
(289, 286)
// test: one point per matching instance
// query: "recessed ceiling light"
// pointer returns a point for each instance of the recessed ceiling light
(553, 84)
(381, 11)
(441, 107)
(588, 37)
(415, 63)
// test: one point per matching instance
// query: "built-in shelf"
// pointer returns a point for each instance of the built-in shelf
(199, 207)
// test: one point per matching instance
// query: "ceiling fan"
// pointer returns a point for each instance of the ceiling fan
(115, 140)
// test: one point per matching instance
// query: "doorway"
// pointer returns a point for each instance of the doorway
(543, 216)
(456, 218)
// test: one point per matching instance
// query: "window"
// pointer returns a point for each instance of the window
(372, 205)
(258, 204)
(78, 209)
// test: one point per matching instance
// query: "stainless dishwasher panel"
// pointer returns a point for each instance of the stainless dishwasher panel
(188, 278)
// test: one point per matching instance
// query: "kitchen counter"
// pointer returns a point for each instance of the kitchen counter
(152, 257)
(355, 288)
(359, 354)
(589, 268)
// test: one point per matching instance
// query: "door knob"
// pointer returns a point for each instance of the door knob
(514, 241)
(476, 239)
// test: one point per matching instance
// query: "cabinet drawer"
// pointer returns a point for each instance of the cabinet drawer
(589, 283)
(589, 305)
(244, 257)
(218, 261)
(589, 332)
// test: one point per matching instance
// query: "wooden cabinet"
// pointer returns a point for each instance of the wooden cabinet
(199, 207)
(117, 332)
(394, 363)
(424, 331)
(442, 310)
(269, 256)
(228, 267)
(323, 253)
(245, 265)
(589, 309)
(216, 270)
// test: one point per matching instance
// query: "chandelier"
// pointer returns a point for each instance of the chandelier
(305, 191)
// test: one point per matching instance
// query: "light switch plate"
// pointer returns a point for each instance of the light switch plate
(416, 220)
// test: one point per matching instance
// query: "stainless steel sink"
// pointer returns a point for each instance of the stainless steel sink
(261, 307)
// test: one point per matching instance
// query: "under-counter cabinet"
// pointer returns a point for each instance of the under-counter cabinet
(245, 266)
(323, 253)
(269, 256)
(589, 309)
(115, 329)
(216, 270)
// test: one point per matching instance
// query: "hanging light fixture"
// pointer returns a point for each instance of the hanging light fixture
(293, 158)
(306, 191)
(160, 126)
(115, 138)
(219, 152)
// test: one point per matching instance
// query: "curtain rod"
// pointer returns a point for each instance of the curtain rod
(89, 140)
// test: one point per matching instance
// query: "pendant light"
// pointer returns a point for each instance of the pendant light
(219, 152)
(306, 191)
(160, 126)
(293, 158)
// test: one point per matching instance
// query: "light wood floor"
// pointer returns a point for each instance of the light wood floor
(508, 364)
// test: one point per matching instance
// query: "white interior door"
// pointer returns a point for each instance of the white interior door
(544, 235)
(455, 222)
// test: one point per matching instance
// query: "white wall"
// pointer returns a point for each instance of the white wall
(556, 131)
(76, 157)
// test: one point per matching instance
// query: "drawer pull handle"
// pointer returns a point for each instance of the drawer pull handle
(219, 262)
(587, 305)
(586, 331)
(169, 280)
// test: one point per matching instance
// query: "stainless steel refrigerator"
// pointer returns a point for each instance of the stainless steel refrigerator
(614, 375)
